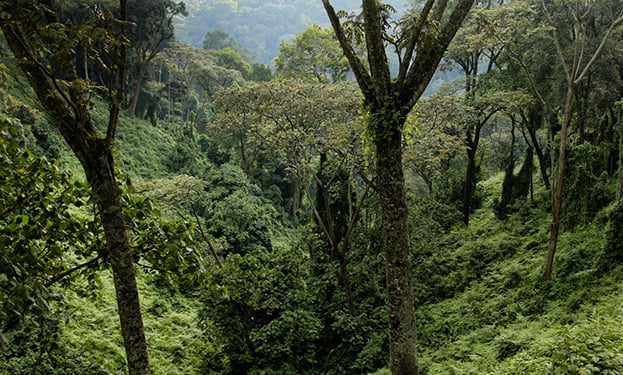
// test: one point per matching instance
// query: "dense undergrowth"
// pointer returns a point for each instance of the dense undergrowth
(483, 307)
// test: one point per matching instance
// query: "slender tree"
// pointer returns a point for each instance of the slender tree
(44, 49)
(420, 40)
(575, 66)
(476, 50)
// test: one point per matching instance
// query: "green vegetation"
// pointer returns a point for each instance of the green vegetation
(252, 207)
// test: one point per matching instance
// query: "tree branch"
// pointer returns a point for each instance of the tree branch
(207, 240)
(359, 70)
(68, 272)
(426, 62)
(412, 41)
(602, 43)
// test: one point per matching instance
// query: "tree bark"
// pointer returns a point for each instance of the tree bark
(557, 201)
(101, 178)
(398, 258)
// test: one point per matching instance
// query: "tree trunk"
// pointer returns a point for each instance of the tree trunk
(468, 187)
(389, 100)
(398, 258)
(620, 188)
(540, 156)
(294, 205)
(557, 201)
(136, 90)
(107, 194)
(508, 184)
(341, 256)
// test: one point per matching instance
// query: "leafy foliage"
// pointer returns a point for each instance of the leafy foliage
(314, 55)
(38, 217)
(588, 188)
(230, 284)
(260, 306)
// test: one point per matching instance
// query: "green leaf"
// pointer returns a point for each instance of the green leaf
(20, 220)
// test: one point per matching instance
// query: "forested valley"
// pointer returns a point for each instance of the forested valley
(429, 188)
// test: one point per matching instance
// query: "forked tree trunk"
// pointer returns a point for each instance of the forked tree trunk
(389, 100)
(531, 126)
(540, 156)
(575, 72)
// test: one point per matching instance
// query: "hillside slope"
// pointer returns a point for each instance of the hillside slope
(489, 311)
(143, 150)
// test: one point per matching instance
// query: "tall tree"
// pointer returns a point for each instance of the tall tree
(577, 52)
(420, 39)
(151, 28)
(524, 66)
(302, 123)
(292, 120)
(44, 49)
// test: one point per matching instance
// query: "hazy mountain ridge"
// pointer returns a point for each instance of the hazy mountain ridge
(260, 26)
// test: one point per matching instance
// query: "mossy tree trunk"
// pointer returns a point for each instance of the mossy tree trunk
(388, 101)
(398, 257)
(67, 104)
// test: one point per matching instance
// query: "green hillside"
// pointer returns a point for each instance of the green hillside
(500, 317)
(255, 209)
(483, 307)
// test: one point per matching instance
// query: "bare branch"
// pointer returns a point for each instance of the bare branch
(602, 43)
(207, 239)
(561, 56)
